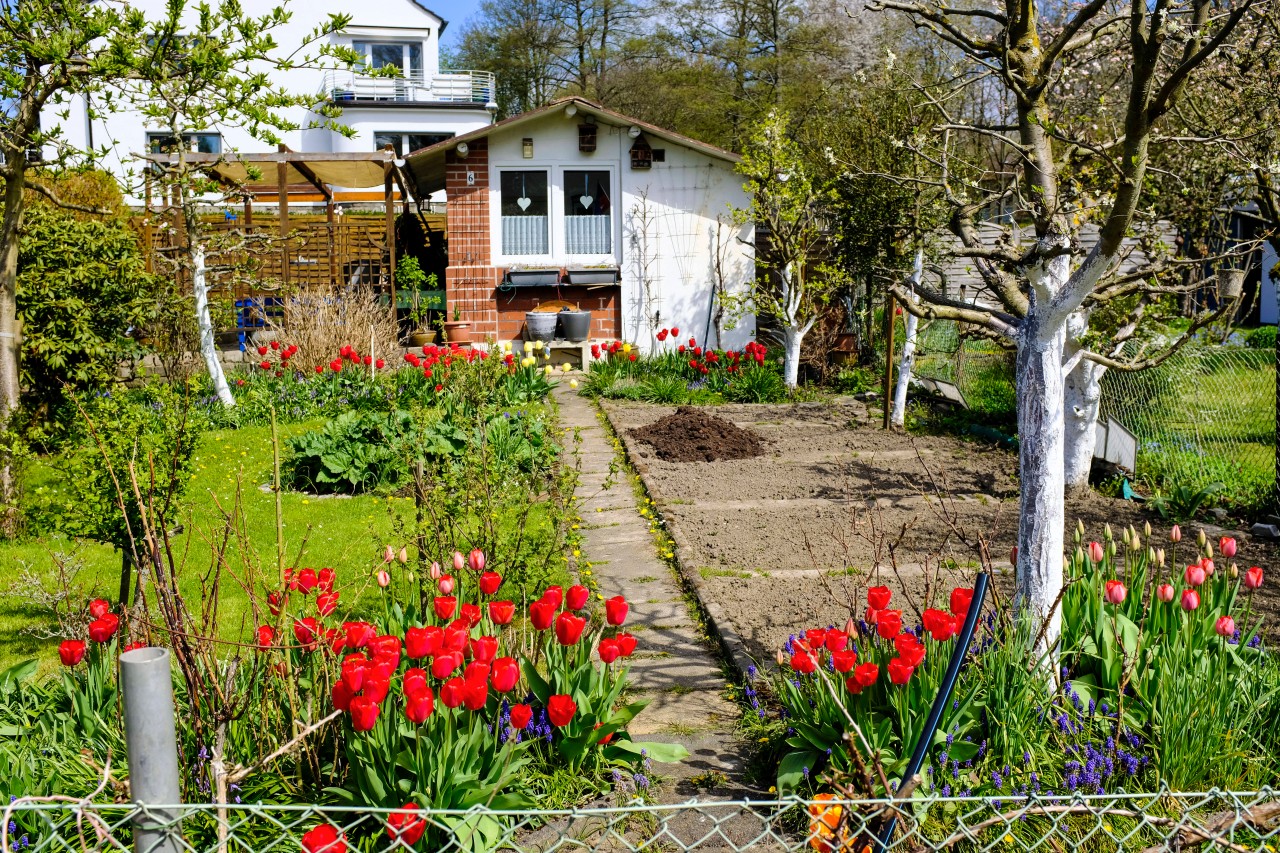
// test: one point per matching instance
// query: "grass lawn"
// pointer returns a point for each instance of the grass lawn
(343, 532)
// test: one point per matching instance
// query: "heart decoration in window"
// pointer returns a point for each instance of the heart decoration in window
(523, 202)
(585, 200)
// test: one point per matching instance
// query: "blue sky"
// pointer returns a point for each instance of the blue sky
(456, 12)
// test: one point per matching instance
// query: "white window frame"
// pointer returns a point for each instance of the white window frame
(555, 170)
(406, 52)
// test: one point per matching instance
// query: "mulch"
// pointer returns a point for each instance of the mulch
(694, 435)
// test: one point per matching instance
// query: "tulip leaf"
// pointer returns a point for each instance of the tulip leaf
(537, 684)
(665, 753)
(791, 769)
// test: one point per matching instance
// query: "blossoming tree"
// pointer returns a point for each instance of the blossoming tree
(1048, 119)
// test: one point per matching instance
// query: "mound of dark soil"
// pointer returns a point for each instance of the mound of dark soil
(693, 435)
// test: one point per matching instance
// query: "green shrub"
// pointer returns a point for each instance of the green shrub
(855, 380)
(1263, 337)
(355, 452)
(756, 385)
(669, 390)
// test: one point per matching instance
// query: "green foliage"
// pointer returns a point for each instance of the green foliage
(1183, 503)
(353, 453)
(855, 380)
(756, 385)
(1263, 337)
(82, 289)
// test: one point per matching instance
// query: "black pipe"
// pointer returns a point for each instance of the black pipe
(944, 696)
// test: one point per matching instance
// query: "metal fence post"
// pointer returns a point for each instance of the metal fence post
(151, 742)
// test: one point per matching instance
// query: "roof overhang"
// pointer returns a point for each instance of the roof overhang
(254, 173)
(426, 166)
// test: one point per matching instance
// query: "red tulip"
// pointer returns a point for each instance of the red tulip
(451, 692)
(940, 625)
(336, 365)
(379, 364)
(326, 603)
(385, 647)
(576, 597)
(900, 671)
(307, 580)
(878, 597)
(560, 710)
(1190, 599)
(262, 350)
(359, 634)
(555, 595)
(456, 636)
(475, 693)
(541, 613)
(501, 612)
(325, 579)
(101, 630)
(405, 828)
(266, 635)
(341, 696)
(909, 649)
(889, 625)
(1225, 626)
(71, 652)
(961, 598)
(615, 610)
(324, 838)
(489, 582)
(305, 631)
(569, 628)
(1115, 592)
(675, 333)
(864, 675)
(470, 614)
(1253, 577)
(443, 665)
(415, 681)
(1227, 545)
(608, 650)
(274, 602)
(484, 649)
(364, 713)
(98, 608)
(1164, 592)
(803, 661)
(844, 660)
(626, 644)
(476, 560)
(1195, 574)
(520, 716)
(353, 670)
(505, 674)
(376, 687)
(836, 641)
(422, 642)
(445, 605)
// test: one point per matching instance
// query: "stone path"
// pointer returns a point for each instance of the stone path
(673, 666)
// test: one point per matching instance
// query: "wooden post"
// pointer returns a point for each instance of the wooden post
(888, 358)
(282, 195)
(248, 211)
(148, 235)
(391, 235)
(333, 254)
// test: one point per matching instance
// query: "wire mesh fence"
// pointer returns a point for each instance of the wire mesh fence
(1215, 820)
(1206, 417)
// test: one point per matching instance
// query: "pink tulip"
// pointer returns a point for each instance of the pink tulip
(458, 562)
(383, 578)
(1195, 575)
(1190, 600)
(1208, 567)
(851, 628)
(1227, 545)
(476, 560)
(403, 556)
(388, 555)
(445, 585)
(1095, 552)
(435, 571)
(1115, 592)
(1164, 592)
(1175, 534)
(1253, 577)
(1225, 626)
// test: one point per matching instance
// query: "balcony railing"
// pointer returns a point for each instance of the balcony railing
(461, 87)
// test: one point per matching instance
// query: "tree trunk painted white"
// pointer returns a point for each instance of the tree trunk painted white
(898, 415)
(1082, 396)
(791, 340)
(208, 347)
(1042, 510)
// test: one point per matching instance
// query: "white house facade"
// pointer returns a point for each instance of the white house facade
(418, 108)
(575, 203)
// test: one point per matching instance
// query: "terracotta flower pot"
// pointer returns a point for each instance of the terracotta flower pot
(457, 332)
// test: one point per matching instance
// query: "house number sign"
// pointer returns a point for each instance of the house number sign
(471, 179)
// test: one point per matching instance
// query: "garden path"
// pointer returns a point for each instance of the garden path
(673, 666)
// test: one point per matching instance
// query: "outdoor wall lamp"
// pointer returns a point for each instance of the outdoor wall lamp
(462, 149)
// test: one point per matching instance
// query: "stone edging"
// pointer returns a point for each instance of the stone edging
(735, 650)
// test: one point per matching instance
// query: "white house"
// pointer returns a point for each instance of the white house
(577, 203)
(423, 106)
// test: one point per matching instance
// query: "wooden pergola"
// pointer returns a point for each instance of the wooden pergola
(285, 173)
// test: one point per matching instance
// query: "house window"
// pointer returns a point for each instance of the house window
(406, 143)
(202, 143)
(588, 223)
(524, 213)
(404, 55)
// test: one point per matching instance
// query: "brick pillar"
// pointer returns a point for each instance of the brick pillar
(470, 279)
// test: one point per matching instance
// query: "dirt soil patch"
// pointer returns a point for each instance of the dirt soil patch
(695, 435)
(792, 537)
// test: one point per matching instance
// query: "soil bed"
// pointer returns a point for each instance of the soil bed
(791, 537)
(696, 435)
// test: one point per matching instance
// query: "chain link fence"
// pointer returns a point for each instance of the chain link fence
(1204, 418)
(1162, 821)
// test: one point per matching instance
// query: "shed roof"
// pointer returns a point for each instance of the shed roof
(260, 172)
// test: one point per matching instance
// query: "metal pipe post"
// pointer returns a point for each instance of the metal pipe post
(151, 742)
